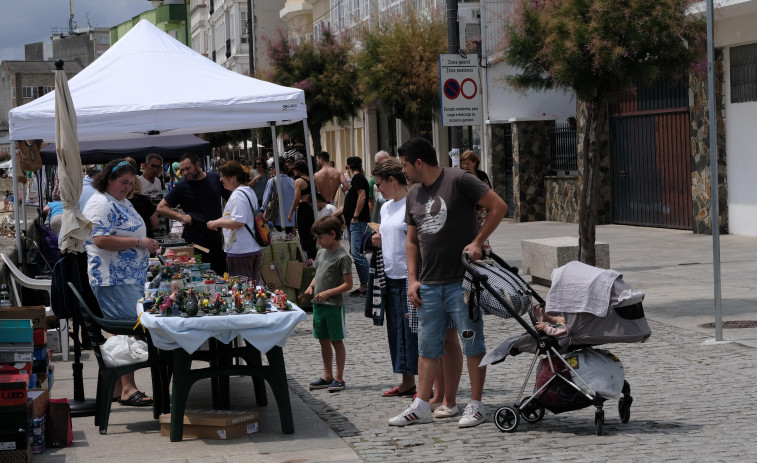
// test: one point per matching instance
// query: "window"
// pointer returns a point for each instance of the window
(243, 29)
(744, 73)
(29, 92)
(103, 39)
(48, 90)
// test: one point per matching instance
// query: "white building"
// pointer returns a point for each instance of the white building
(219, 31)
(736, 35)
(478, 22)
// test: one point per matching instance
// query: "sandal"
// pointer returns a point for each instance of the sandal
(395, 392)
(138, 399)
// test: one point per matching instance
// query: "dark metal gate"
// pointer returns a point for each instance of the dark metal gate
(651, 152)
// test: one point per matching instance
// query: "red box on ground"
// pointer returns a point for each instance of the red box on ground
(18, 368)
(13, 389)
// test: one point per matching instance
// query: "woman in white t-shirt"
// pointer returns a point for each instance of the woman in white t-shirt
(403, 343)
(243, 253)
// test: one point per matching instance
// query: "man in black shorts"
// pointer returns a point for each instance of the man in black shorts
(199, 196)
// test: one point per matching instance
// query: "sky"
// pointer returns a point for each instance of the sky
(30, 21)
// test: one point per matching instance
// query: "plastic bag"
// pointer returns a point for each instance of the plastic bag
(602, 370)
(123, 350)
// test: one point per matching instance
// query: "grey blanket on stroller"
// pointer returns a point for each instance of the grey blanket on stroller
(580, 288)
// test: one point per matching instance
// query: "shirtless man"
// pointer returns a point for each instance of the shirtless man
(328, 178)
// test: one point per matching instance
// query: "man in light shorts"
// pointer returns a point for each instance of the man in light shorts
(441, 226)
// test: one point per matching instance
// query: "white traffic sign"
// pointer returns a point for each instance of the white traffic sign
(460, 90)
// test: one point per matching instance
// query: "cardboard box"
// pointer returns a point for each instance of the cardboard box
(15, 352)
(182, 251)
(40, 337)
(17, 456)
(13, 389)
(16, 330)
(18, 368)
(214, 424)
(35, 313)
(40, 401)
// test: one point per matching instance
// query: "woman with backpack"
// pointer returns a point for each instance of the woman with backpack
(243, 253)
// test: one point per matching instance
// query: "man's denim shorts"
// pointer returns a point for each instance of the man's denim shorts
(440, 304)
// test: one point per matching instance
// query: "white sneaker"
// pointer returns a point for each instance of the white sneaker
(472, 416)
(411, 415)
(445, 412)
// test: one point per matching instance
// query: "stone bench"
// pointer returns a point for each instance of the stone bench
(541, 256)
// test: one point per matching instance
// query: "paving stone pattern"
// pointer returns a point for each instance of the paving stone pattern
(691, 403)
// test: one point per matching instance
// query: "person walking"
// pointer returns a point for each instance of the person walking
(441, 227)
(328, 179)
(199, 195)
(287, 196)
(260, 178)
(356, 215)
(302, 208)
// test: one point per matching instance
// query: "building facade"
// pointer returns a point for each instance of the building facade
(480, 25)
(24, 81)
(219, 31)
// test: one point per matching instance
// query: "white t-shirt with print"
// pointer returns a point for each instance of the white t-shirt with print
(150, 188)
(240, 241)
(393, 233)
(111, 217)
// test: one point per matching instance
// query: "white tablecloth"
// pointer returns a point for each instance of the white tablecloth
(264, 331)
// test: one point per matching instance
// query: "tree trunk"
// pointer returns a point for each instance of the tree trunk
(315, 133)
(596, 113)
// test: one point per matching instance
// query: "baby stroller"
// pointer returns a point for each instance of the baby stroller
(571, 374)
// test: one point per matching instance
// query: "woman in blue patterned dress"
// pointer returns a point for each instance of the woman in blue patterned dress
(118, 256)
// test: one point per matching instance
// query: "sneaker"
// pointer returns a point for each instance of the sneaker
(337, 386)
(411, 415)
(445, 412)
(472, 416)
(320, 384)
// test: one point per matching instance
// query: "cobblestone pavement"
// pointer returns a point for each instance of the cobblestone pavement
(691, 395)
(690, 403)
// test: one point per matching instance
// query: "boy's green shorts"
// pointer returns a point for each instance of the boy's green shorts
(329, 322)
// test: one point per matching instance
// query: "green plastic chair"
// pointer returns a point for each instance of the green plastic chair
(108, 375)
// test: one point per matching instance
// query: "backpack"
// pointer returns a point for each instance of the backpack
(262, 232)
(271, 210)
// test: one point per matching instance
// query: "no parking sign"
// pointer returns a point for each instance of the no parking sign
(460, 90)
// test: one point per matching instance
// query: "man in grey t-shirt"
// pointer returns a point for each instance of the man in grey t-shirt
(441, 226)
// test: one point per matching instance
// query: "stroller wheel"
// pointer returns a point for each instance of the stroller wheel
(532, 413)
(624, 408)
(506, 419)
(599, 420)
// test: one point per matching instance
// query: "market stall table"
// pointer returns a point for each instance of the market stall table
(265, 333)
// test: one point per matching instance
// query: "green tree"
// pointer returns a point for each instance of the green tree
(399, 65)
(324, 71)
(596, 48)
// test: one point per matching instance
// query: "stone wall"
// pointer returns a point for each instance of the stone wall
(700, 151)
(499, 136)
(562, 199)
(530, 164)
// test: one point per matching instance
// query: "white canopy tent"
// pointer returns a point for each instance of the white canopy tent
(149, 84)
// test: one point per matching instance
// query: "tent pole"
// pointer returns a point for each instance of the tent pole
(309, 153)
(277, 183)
(14, 170)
